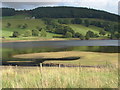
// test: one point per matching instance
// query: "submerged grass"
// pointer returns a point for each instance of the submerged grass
(59, 77)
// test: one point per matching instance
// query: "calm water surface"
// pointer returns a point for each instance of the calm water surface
(12, 48)
(61, 43)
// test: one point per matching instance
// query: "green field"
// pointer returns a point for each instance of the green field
(33, 23)
(82, 29)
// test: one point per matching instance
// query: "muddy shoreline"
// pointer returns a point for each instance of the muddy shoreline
(49, 40)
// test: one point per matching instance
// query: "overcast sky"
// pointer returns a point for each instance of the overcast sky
(106, 5)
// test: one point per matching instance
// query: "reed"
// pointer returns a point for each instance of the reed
(59, 77)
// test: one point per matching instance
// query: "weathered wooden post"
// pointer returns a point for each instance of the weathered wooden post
(41, 66)
(41, 74)
(59, 65)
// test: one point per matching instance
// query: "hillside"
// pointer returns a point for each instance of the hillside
(62, 12)
(61, 22)
(83, 30)
(33, 23)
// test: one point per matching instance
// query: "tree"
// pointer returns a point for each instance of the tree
(69, 29)
(86, 23)
(98, 24)
(60, 21)
(62, 29)
(28, 33)
(102, 32)
(19, 26)
(8, 11)
(90, 34)
(117, 35)
(8, 25)
(72, 12)
(50, 28)
(96, 35)
(112, 36)
(77, 21)
(16, 34)
(78, 35)
(38, 28)
(63, 21)
(49, 21)
(35, 32)
(87, 37)
(24, 26)
(68, 35)
(43, 33)
(81, 37)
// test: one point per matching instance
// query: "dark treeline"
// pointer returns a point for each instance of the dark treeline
(64, 12)
(8, 12)
(72, 12)
(59, 26)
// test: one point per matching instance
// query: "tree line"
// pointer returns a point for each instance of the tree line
(38, 31)
(28, 33)
(63, 12)
(8, 11)
(60, 27)
(72, 12)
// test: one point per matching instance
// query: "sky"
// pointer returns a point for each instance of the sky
(111, 6)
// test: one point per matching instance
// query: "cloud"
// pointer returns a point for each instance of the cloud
(107, 5)
(119, 8)
(27, 5)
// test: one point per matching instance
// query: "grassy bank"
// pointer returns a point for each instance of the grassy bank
(25, 39)
(57, 77)
(86, 58)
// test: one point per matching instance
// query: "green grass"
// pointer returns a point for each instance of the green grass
(16, 17)
(33, 23)
(83, 29)
(58, 77)
(6, 33)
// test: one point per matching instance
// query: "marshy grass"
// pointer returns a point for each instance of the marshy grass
(59, 77)
(86, 58)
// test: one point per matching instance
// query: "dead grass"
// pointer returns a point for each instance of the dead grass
(86, 58)
(58, 77)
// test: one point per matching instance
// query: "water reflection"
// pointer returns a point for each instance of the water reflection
(7, 53)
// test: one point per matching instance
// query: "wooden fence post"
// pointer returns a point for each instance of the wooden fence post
(59, 65)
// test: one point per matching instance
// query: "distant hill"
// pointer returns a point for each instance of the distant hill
(60, 22)
(63, 12)
(33, 23)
